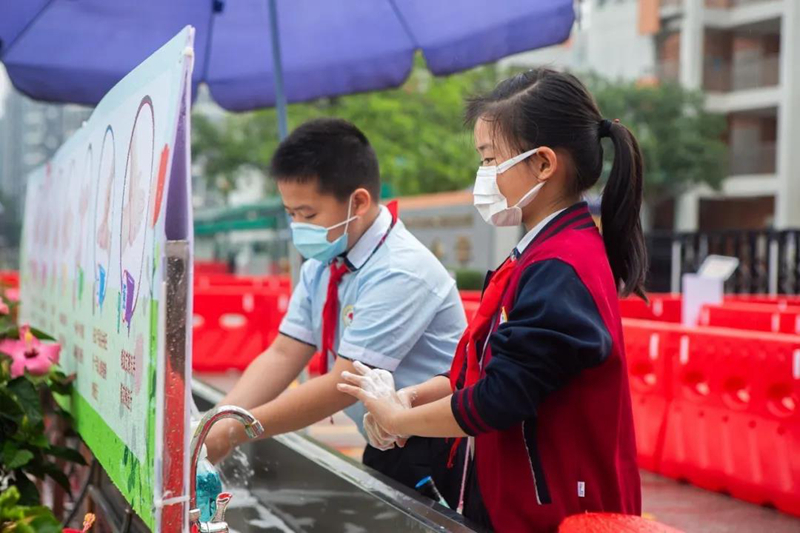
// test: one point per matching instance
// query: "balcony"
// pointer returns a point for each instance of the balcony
(741, 75)
(753, 159)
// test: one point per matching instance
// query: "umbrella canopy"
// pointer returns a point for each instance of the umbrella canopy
(76, 50)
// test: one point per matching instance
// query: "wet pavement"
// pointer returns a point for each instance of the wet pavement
(696, 510)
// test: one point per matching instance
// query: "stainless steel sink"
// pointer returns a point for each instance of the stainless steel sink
(299, 485)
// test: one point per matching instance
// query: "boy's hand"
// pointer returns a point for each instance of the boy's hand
(221, 441)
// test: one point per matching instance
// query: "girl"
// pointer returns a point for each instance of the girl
(538, 383)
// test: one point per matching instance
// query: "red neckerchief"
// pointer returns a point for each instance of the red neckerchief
(477, 330)
(330, 311)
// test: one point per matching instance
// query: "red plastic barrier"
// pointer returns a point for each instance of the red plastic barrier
(781, 300)
(663, 307)
(470, 296)
(233, 325)
(734, 420)
(648, 346)
(228, 280)
(470, 308)
(9, 278)
(749, 316)
(210, 267)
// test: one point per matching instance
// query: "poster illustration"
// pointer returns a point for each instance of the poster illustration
(93, 266)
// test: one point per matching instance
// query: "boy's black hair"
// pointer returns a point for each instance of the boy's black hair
(331, 151)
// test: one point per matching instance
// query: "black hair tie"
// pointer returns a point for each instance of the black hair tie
(605, 128)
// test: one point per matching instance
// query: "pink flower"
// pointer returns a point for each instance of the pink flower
(3, 308)
(29, 353)
(12, 294)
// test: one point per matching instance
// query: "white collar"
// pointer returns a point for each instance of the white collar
(362, 250)
(528, 238)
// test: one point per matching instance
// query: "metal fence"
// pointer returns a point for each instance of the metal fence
(769, 260)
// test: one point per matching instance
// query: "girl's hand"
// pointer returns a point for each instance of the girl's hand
(384, 411)
(377, 437)
(375, 389)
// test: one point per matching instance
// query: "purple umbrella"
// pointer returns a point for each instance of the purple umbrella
(261, 53)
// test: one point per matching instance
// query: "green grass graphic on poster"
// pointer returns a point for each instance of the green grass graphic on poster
(92, 267)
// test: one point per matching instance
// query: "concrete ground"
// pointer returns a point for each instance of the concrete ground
(679, 505)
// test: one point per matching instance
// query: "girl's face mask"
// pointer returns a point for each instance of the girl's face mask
(491, 203)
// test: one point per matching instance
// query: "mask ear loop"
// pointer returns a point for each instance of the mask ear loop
(505, 165)
(349, 210)
(530, 193)
(346, 222)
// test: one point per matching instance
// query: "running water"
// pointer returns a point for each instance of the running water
(237, 472)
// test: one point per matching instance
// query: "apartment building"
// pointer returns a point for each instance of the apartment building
(745, 54)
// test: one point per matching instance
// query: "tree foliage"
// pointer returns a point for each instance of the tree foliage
(419, 136)
(682, 143)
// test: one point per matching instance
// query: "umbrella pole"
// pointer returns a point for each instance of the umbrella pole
(280, 107)
(277, 71)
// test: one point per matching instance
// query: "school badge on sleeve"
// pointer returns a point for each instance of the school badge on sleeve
(503, 316)
(347, 315)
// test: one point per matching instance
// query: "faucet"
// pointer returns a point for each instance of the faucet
(252, 429)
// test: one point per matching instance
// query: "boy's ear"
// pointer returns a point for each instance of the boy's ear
(362, 201)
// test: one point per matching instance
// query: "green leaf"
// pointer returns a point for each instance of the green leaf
(61, 387)
(44, 521)
(28, 398)
(28, 493)
(10, 408)
(54, 472)
(8, 499)
(68, 454)
(17, 517)
(17, 458)
(9, 331)
(41, 335)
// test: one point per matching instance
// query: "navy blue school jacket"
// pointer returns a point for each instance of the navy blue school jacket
(551, 413)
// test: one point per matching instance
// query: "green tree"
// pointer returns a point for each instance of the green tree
(681, 142)
(417, 131)
(419, 136)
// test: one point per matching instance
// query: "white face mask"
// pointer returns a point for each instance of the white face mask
(491, 203)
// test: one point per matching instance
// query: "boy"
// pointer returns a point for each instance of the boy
(369, 292)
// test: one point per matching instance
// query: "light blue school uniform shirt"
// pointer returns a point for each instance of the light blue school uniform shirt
(399, 309)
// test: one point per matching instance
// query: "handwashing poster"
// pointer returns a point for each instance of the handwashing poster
(96, 222)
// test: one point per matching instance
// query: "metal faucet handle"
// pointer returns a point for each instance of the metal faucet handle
(223, 499)
(213, 527)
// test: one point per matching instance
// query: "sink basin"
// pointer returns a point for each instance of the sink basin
(300, 485)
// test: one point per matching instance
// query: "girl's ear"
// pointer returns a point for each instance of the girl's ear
(362, 200)
(545, 162)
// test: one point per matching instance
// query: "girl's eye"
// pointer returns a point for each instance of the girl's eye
(309, 217)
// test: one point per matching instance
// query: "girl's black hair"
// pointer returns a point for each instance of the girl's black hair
(544, 107)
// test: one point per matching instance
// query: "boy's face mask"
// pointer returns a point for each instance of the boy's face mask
(491, 203)
(312, 240)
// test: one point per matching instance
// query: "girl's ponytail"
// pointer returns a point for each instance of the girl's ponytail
(620, 211)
